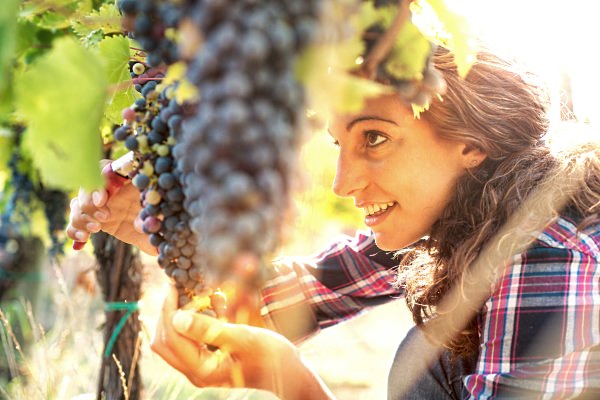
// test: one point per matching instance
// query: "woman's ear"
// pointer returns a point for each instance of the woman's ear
(472, 156)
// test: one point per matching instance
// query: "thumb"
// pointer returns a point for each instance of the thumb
(204, 329)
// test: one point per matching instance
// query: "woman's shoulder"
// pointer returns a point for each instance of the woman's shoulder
(572, 231)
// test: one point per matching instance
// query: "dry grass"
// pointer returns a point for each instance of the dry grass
(62, 356)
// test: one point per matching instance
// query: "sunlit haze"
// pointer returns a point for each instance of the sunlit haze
(554, 37)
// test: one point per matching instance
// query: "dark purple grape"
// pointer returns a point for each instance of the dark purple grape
(141, 181)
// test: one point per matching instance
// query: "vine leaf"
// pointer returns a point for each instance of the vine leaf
(114, 53)
(51, 15)
(408, 56)
(107, 19)
(26, 38)
(60, 99)
(323, 70)
(8, 29)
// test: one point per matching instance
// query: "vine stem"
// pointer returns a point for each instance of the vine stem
(113, 292)
(385, 43)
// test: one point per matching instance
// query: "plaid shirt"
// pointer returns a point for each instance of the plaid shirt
(539, 331)
(308, 294)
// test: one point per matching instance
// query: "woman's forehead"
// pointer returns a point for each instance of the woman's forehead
(385, 107)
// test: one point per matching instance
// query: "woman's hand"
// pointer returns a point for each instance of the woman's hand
(246, 357)
(117, 216)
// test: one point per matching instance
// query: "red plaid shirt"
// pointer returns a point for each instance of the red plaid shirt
(540, 329)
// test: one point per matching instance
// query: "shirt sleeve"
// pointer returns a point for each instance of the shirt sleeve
(540, 330)
(307, 294)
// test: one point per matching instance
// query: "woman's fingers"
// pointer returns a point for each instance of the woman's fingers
(93, 204)
(138, 224)
(205, 329)
(188, 355)
(77, 235)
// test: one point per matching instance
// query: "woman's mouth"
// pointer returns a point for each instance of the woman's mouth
(377, 212)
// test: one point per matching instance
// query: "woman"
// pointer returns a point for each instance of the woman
(502, 274)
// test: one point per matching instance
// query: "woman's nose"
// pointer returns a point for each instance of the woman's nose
(350, 175)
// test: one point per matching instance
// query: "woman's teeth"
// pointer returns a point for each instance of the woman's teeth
(378, 207)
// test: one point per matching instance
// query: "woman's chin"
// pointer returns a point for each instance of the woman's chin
(389, 242)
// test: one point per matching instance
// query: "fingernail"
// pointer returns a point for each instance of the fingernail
(182, 321)
(96, 198)
(92, 226)
(100, 215)
(79, 235)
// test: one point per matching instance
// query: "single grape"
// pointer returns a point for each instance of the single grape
(153, 197)
(138, 68)
(141, 181)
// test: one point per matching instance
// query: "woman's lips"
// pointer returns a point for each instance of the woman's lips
(378, 217)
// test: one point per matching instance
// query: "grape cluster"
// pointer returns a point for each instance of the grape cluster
(214, 176)
(27, 196)
(55, 204)
(149, 21)
(149, 130)
(237, 151)
(21, 200)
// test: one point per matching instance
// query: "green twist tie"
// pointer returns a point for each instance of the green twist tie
(119, 306)
(31, 276)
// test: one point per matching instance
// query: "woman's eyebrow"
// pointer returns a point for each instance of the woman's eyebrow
(368, 118)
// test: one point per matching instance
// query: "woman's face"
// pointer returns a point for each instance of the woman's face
(399, 172)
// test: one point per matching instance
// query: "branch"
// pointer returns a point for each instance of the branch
(385, 43)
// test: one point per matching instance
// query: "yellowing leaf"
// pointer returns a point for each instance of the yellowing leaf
(320, 58)
(459, 36)
(186, 92)
(107, 19)
(61, 99)
(175, 72)
(340, 93)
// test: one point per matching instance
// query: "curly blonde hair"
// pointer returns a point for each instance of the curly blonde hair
(502, 110)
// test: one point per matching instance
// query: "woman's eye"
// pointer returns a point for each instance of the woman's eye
(374, 138)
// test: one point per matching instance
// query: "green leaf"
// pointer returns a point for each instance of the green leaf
(107, 19)
(54, 20)
(120, 100)
(61, 99)
(408, 56)
(324, 70)
(114, 53)
(459, 36)
(340, 92)
(6, 147)
(8, 32)
(51, 15)
(26, 37)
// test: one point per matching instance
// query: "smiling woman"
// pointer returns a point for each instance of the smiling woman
(397, 169)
